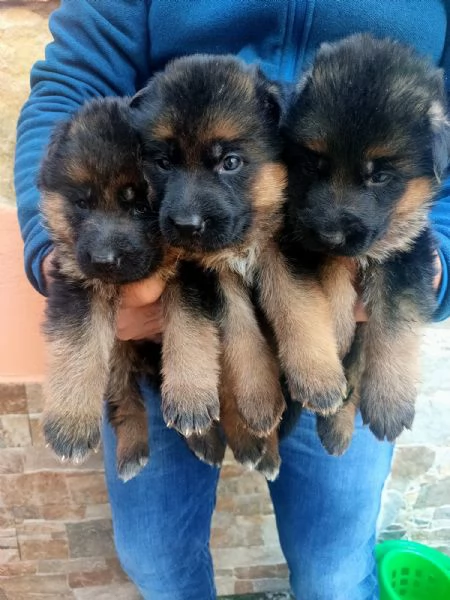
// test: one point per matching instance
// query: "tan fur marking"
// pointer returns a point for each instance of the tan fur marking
(318, 145)
(379, 151)
(408, 220)
(337, 280)
(252, 369)
(225, 129)
(53, 207)
(190, 362)
(77, 171)
(269, 186)
(247, 448)
(298, 310)
(392, 358)
(418, 192)
(78, 369)
(388, 384)
(128, 416)
(163, 131)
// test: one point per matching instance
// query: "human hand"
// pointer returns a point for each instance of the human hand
(140, 315)
(360, 311)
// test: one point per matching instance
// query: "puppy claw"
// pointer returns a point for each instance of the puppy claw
(335, 435)
(324, 402)
(250, 452)
(387, 415)
(209, 448)
(262, 422)
(68, 440)
(131, 461)
(204, 411)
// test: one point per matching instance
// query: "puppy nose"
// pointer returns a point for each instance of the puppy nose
(105, 259)
(332, 238)
(189, 226)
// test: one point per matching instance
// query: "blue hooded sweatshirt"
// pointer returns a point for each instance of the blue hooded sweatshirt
(112, 47)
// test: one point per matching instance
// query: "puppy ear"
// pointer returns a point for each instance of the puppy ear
(136, 100)
(440, 128)
(50, 161)
(269, 96)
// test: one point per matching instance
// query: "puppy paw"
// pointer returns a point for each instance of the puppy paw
(131, 460)
(335, 432)
(71, 439)
(191, 415)
(269, 465)
(209, 447)
(262, 413)
(386, 418)
(323, 395)
(250, 451)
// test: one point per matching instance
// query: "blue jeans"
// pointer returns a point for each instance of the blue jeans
(326, 510)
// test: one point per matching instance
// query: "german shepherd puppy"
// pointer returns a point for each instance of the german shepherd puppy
(98, 208)
(366, 145)
(212, 150)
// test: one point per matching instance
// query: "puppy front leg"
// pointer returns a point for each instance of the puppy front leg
(300, 315)
(80, 333)
(190, 362)
(337, 281)
(388, 386)
(126, 410)
(336, 431)
(251, 366)
(250, 450)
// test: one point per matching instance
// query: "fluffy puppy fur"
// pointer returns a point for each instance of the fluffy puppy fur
(98, 208)
(212, 149)
(366, 146)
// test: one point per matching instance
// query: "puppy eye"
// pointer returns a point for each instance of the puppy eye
(379, 178)
(129, 193)
(163, 164)
(322, 164)
(231, 162)
(82, 202)
(139, 210)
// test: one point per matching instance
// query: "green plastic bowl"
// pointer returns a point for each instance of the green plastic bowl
(411, 571)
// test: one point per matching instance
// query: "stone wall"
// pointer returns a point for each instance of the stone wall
(55, 523)
(23, 37)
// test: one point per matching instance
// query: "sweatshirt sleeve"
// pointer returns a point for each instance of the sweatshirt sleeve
(99, 48)
(440, 214)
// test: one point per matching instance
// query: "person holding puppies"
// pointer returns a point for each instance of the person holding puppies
(326, 507)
